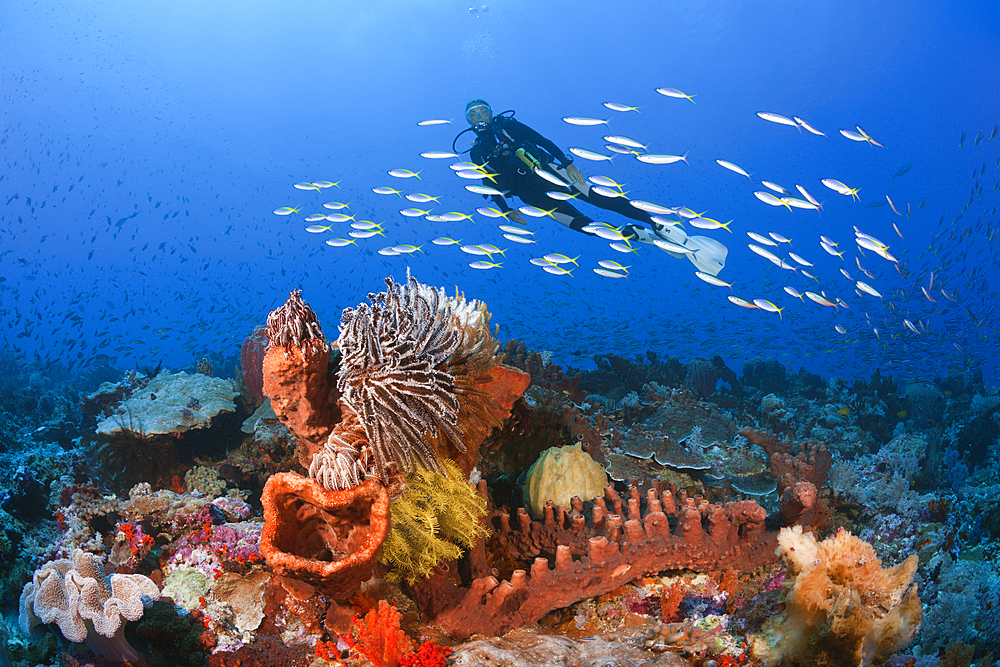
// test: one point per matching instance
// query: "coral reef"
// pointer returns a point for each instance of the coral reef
(296, 370)
(366, 555)
(86, 603)
(252, 362)
(613, 549)
(171, 403)
(418, 381)
(842, 606)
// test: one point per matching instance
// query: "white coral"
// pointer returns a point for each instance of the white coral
(172, 403)
(78, 595)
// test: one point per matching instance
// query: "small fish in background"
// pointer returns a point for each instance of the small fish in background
(557, 270)
(433, 121)
(612, 265)
(712, 280)
(585, 121)
(616, 106)
(606, 182)
(743, 303)
(484, 190)
(807, 126)
(589, 154)
(840, 188)
(779, 119)
(404, 173)
(768, 198)
(893, 206)
(791, 291)
(709, 223)
(764, 304)
(407, 248)
(521, 231)
(961, 140)
(867, 137)
(733, 168)
(762, 239)
(661, 158)
(607, 192)
(558, 258)
(798, 259)
(340, 243)
(414, 212)
(676, 94)
(979, 139)
(483, 265)
(624, 141)
(421, 198)
(902, 170)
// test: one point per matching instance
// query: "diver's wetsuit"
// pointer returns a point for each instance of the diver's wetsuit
(496, 146)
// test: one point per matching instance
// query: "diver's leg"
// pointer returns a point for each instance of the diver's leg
(564, 213)
(619, 205)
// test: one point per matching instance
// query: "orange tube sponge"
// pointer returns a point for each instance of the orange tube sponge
(327, 538)
(842, 607)
(296, 371)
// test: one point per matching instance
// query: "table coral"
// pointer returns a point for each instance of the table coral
(164, 405)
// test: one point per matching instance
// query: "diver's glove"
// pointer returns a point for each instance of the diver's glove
(575, 175)
(514, 216)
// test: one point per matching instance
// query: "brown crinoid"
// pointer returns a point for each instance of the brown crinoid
(414, 367)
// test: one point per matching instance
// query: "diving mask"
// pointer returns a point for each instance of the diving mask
(479, 114)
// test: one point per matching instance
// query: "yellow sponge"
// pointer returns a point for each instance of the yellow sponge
(561, 473)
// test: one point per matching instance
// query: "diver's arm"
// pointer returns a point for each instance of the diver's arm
(477, 158)
(537, 139)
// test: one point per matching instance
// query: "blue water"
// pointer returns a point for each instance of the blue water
(144, 147)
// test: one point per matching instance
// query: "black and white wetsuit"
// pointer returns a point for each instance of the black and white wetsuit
(496, 146)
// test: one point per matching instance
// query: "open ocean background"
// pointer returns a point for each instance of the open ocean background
(144, 146)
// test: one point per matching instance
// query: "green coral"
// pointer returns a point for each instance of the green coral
(436, 517)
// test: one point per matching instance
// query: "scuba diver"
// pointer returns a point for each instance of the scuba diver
(529, 166)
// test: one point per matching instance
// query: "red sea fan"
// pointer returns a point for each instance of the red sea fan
(378, 638)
